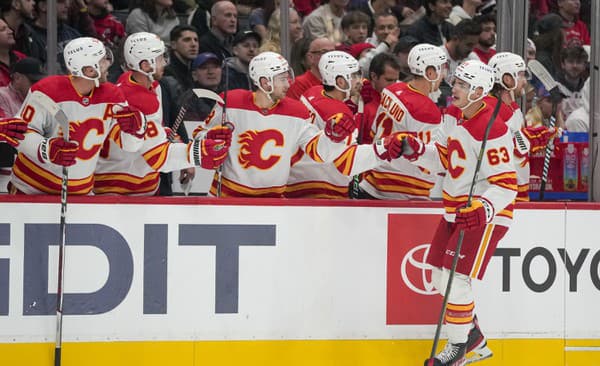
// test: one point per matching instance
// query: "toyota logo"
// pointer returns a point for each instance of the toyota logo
(414, 261)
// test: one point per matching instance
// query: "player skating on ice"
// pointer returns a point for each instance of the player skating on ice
(482, 224)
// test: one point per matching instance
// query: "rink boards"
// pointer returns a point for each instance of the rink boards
(197, 281)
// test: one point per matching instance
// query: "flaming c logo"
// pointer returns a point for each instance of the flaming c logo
(253, 142)
(89, 134)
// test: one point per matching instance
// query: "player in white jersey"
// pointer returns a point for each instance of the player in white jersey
(510, 78)
(12, 130)
(486, 220)
(137, 173)
(341, 78)
(407, 108)
(270, 129)
(90, 106)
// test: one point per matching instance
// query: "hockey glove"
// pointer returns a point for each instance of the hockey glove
(412, 147)
(475, 216)
(533, 139)
(208, 153)
(389, 147)
(223, 132)
(58, 151)
(12, 130)
(339, 126)
(130, 120)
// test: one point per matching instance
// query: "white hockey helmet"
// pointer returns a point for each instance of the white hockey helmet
(143, 46)
(478, 75)
(85, 52)
(426, 55)
(507, 63)
(267, 65)
(337, 63)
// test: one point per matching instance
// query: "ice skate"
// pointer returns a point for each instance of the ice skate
(477, 344)
(452, 355)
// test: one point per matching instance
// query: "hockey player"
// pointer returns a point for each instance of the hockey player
(137, 173)
(341, 78)
(12, 130)
(91, 107)
(489, 215)
(510, 78)
(407, 108)
(270, 129)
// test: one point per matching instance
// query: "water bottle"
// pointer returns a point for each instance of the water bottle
(570, 168)
(585, 167)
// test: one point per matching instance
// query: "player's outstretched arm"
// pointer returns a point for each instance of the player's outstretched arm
(403, 145)
(210, 150)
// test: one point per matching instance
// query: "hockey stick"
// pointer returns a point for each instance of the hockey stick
(537, 69)
(223, 122)
(461, 236)
(199, 93)
(60, 116)
(355, 191)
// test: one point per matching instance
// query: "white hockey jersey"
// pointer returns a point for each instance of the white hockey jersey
(265, 142)
(515, 121)
(137, 173)
(311, 179)
(90, 119)
(402, 109)
(456, 152)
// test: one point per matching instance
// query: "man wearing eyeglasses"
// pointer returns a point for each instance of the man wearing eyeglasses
(312, 76)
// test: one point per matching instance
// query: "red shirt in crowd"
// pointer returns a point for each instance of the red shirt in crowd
(301, 84)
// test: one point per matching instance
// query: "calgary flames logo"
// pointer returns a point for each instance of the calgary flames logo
(252, 143)
(89, 134)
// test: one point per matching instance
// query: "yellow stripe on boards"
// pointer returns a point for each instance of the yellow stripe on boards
(513, 352)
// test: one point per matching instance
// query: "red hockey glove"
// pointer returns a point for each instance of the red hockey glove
(399, 144)
(474, 216)
(533, 139)
(12, 130)
(389, 147)
(131, 120)
(339, 126)
(58, 151)
(207, 153)
(412, 147)
(221, 133)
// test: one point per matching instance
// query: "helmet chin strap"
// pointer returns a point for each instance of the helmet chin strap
(471, 101)
(433, 81)
(268, 94)
(96, 80)
(149, 75)
(345, 91)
